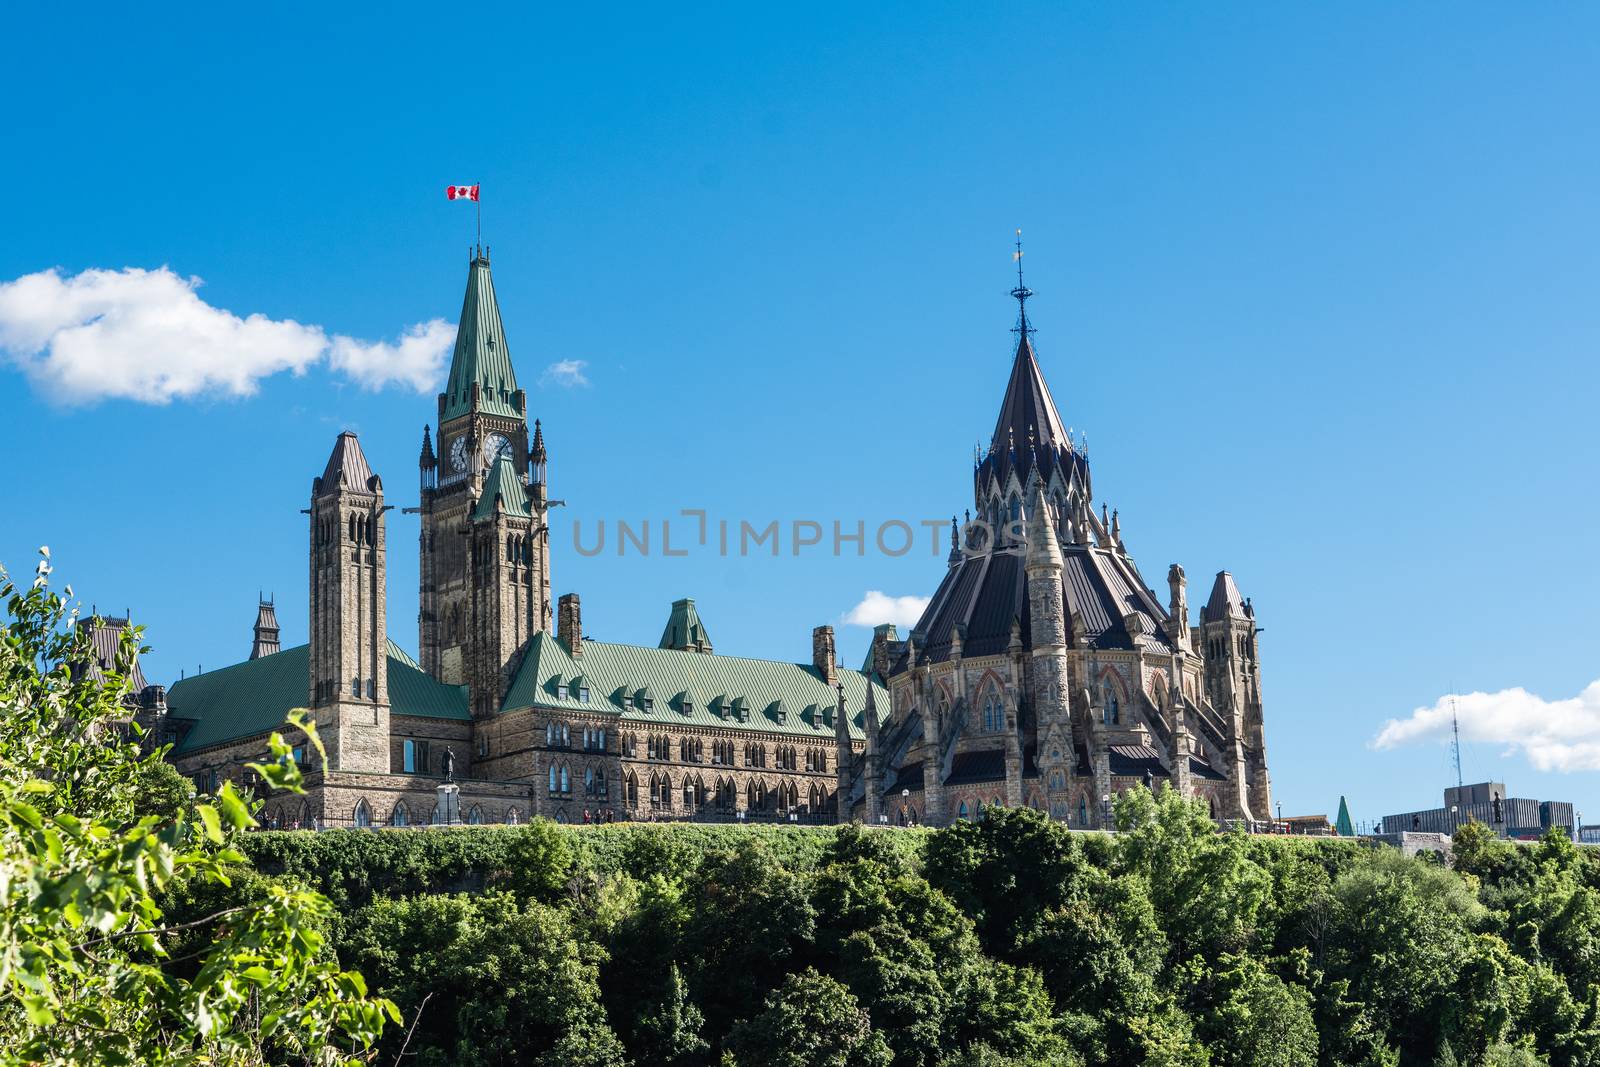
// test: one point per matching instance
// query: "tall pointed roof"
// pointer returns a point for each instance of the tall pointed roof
(482, 356)
(347, 466)
(1027, 410)
(504, 485)
(1342, 825)
(1224, 601)
(1029, 435)
(684, 630)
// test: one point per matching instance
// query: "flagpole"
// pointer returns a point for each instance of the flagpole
(477, 202)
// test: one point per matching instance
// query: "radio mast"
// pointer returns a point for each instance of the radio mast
(1455, 732)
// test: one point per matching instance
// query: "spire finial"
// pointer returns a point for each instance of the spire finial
(1021, 293)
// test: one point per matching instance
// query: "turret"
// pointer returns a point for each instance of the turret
(1050, 694)
(1233, 684)
(427, 462)
(684, 630)
(349, 665)
(265, 629)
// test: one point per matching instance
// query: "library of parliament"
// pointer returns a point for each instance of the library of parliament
(1044, 671)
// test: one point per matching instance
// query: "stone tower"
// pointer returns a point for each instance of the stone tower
(507, 598)
(1051, 690)
(349, 683)
(1233, 685)
(484, 566)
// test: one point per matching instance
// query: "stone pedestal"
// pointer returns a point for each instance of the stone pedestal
(448, 812)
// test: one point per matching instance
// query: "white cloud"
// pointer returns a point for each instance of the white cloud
(1555, 735)
(417, 360)
(565, 373)
(877, 608)
(146, 335)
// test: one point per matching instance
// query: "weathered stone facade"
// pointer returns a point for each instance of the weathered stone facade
(533, 722)
(1045, 671)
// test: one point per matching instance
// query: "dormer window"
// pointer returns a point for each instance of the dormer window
(583, 694)
(561, 691)
(688, 704)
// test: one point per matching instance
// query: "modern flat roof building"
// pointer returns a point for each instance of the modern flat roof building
(1485, 802)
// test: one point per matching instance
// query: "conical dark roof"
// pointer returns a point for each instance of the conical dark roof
(481, 355)
(1027, 407)
(1028, 411)
(347, 466)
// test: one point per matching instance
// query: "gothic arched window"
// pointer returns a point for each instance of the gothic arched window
(961, 812)
(475, 816)
(1113, 710)
(1083, 812)
(363, 817)
(994, 714)
(566, 782)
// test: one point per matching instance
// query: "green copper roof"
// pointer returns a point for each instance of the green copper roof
(684, 628)
(1342, 826)
(481, 353)
(504, 484)
(616, 675)
(253, 697)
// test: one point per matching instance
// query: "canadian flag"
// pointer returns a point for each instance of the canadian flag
(461, 192)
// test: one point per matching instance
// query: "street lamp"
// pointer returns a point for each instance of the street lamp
(1105, 811)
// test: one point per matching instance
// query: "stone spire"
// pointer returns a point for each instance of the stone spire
(427, 460)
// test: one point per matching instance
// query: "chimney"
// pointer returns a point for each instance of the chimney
(569, 624)
(822, 653)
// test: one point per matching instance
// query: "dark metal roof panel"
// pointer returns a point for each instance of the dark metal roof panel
(986, 765)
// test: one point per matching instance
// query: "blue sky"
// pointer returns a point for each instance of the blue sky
(1317, 283)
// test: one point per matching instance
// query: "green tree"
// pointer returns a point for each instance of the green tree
(485, 980)
(1208, 890)
(1101, 954)
(748, 918)
(672, 1032)
(1004, 869)
(1401, 945)
(1261, 1020)
(810, 1021)
(89, 845)
(541, 861)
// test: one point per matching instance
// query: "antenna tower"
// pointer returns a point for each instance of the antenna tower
(1455, 733)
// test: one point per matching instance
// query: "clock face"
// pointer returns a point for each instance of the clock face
(458, 455)
(496, 446)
